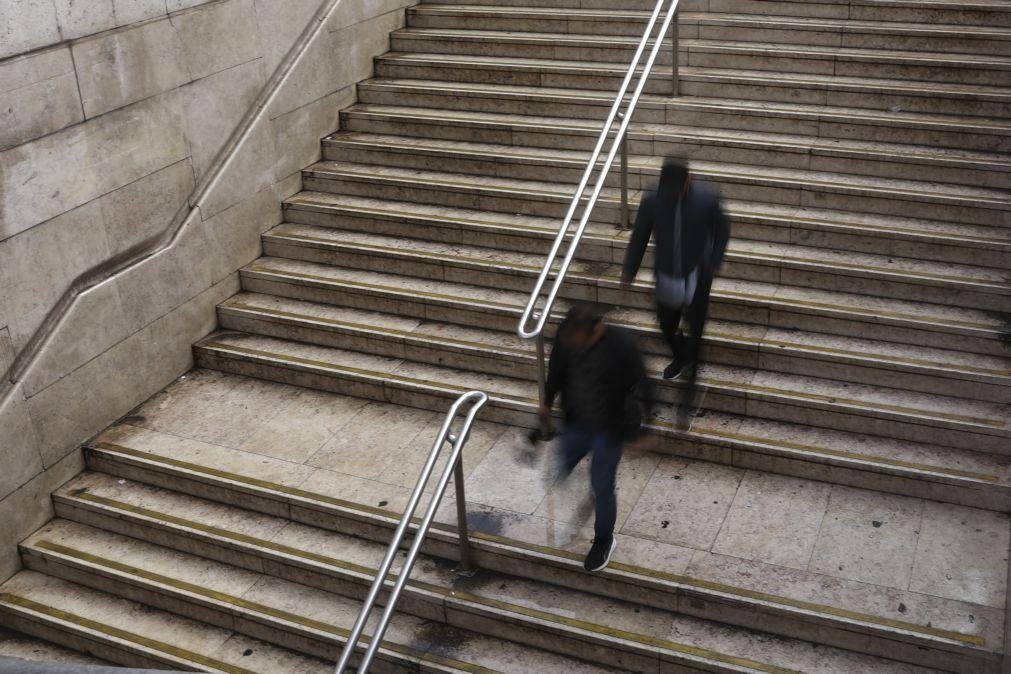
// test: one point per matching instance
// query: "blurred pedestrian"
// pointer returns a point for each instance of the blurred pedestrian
(685, 219)
(599, 372)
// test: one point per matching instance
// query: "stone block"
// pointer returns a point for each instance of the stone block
(110, 385)
(29, 508)
(351, 12)
(248, 170)
(299, 132)
(218, 36)
(214, 106)
(128, 65)
(27, 25)
(21, 457)
(281, 24)
(40, 96)
(131, 11)
(234, 234)
(78, 19)
(316, 75)
(178, 5)
(61, 249)
(57, 173)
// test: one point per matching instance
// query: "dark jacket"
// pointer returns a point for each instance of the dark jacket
(704, 228)
(628, 391)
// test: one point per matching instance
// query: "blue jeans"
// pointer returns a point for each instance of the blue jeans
(604, 449)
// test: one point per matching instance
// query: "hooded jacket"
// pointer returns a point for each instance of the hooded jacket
(705, 231)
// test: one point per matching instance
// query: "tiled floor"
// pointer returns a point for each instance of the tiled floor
(674, 514)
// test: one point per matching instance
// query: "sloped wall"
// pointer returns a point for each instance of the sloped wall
(140, 159)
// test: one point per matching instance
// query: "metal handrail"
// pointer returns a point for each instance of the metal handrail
(530, 312)
(454, 465)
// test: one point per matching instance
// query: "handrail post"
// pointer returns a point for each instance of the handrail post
(676, 43)
(624, 178)
(466, 567)
(454, 464)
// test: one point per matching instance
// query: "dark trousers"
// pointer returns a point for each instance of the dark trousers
(604, 449)
(684, 346)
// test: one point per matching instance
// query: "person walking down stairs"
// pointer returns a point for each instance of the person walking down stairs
(599, 372)
(685, 218)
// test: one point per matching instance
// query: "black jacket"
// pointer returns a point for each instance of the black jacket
(628, 388)
(704, 227)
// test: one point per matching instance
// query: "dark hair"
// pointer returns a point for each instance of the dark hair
(584, 315)
(673, 175)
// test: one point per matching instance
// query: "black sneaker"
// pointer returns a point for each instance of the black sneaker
(600, 555)
(675, 370)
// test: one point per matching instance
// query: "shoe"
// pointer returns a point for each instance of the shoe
(675, 370)
(600, 555)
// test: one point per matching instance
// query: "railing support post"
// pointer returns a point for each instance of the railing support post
(675, 43)
(466, 567)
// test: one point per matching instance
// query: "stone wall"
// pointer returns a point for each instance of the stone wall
(140, 159)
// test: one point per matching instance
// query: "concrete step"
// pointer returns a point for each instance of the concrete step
(816, 401)
(756, 302)
(723, 27)
(501, 606)
(273, 606)
(969, 13)
(736, 182)
(817, 121)
(533, 235)
(817, 228)
(738, 51)
(757, 85)
(136, 634)
(851, 615)
(790, 448)
(579, 21)
(853, 360)
(492, 602)
(21, 647)
(698, 143)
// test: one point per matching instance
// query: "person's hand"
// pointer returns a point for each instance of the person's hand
(545, 414)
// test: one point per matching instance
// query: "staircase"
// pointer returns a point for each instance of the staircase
(853, 440)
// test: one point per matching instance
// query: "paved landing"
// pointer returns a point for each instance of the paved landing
(675, 515)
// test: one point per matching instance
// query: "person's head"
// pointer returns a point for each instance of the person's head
(583, 326)
(674, 176)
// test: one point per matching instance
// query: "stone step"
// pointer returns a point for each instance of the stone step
(579, 21)
(576, 138)
(843, 457)
(817, 401)
(893, 237)
(273, 606)
(818, 121)
(736, 51)
(910, 626)
(853, 360)
(736, 182)
(21, 647)
(532, 235)
(761, 303)
(969, 13)
(135, 633)
(757, 85)
(723, 27)
(501, 606)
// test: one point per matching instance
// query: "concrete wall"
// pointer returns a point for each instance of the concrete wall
(129, 196)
